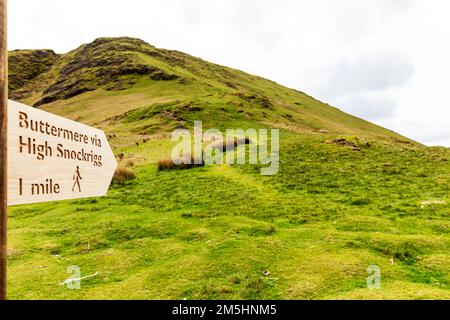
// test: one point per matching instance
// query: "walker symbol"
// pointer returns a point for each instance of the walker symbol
(76, 179)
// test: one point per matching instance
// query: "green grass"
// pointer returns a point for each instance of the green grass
(213, 232)
(210, 233)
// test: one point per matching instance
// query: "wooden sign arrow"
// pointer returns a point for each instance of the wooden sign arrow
(52, 158)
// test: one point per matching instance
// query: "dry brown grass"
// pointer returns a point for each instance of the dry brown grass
(230, 144)
(128, 163)
(186, 162)
(122, 174)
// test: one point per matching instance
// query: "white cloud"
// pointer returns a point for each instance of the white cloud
(385, 60)
(372, 72)
(374, 105)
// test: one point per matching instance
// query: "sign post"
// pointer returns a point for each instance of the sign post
(53, 158)
(3, 146)
(49, 158)
(44, 157)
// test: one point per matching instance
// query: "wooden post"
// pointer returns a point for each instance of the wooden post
(3, 146)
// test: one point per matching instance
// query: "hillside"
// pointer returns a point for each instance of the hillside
(179, 88)
(349, 193)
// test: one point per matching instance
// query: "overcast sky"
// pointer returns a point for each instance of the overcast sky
(387, 61)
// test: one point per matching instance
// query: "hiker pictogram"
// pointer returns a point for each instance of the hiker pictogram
(76, 178)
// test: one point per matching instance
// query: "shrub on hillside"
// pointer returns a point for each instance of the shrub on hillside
(122, 174)
(231, 144)
(184, 162)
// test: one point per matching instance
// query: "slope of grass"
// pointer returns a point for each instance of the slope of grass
(212, 232)
(309, 232)
(26, 65)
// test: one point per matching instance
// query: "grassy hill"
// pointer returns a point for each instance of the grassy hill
(309, 232)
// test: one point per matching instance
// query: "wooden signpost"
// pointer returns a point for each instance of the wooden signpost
(52, 158)
(44, 157)
(3, 147)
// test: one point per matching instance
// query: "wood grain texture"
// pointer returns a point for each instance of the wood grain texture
(3, 146)
(52, 158)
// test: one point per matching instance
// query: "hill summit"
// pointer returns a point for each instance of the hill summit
(110, 79)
